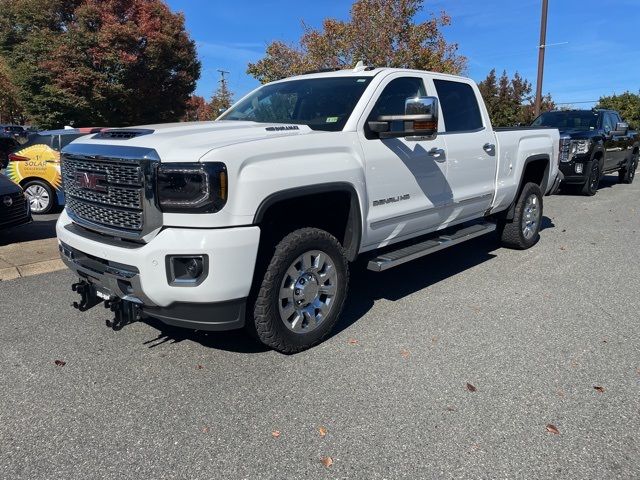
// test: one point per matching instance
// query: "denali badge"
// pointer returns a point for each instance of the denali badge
(384, 201)
(7, 201)
(284, 128)
(91, 181)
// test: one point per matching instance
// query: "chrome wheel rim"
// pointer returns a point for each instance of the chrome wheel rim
(38, 198)
(307, 291)
(531, 216)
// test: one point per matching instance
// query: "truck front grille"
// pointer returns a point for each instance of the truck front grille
(565, 145)
(109, 189)
(16, 211)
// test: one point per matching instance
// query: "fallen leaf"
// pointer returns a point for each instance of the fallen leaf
(560, 393)
(552, 429)
(564, 230)
(326, 461)
(563, 247)
(60, 363)
(599, 389)
(352, 341)
(604, 341)
(199, 367)
(405, 353)
(471, 388)
(322, 431)
(275, 434)
(205, 430)
(451, 409)
(434, 339)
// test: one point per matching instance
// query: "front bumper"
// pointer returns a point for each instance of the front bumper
(137, 273)
(568, 169)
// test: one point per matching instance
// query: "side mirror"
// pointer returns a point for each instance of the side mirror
(621, 128)
(420, 120)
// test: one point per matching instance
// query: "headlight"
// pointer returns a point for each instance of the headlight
(579, 147)
(192, 187)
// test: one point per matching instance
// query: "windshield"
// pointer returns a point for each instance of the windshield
(570, 120)
(320, 103)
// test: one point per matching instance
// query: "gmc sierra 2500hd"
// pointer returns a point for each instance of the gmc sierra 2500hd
(252, 220)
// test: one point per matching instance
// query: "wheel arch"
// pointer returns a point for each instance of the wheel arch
(349, 221)
(535, 169)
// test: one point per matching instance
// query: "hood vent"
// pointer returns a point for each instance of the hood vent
(122, 133)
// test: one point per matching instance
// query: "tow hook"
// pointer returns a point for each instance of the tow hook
(88, 297)
(124, 311)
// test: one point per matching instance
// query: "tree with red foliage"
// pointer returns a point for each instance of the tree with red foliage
(198, 110)
(98, 62)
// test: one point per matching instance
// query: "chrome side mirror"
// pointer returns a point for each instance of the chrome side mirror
(621, 128)
(420, 120)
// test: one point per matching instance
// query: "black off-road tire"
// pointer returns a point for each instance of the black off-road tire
(627, 174)
(266, 322)
(590, 187)
(511, 232)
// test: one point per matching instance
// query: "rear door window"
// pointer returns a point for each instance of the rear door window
(459, 106)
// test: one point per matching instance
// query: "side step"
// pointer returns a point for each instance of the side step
(406, 254)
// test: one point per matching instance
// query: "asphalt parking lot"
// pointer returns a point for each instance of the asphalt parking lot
(532, 332)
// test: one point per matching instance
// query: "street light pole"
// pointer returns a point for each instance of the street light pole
(543, 39)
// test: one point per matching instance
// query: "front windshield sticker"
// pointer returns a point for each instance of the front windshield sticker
(332, 119)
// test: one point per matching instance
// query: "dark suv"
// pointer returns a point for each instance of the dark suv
(14, 207)
(593, 143)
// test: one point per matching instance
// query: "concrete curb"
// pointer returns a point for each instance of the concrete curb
(11, 273)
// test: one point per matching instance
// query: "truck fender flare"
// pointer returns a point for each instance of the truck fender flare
(545, 181)
(353, 230)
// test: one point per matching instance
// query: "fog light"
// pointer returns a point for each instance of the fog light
(187, 270)
(579, 167)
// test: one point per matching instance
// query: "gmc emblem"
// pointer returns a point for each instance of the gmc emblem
(91, 181)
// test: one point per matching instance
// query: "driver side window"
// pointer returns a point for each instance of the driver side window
(392, 99)
(607, 123)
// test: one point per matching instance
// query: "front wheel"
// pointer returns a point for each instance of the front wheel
(524, 230)
(302, 292)
(590, 187)
(40, 195)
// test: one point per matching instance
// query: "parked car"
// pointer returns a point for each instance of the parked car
(594, 143)
(7, 145)
(36, 167)
(14, 207)
(252, 220)
(15, 131)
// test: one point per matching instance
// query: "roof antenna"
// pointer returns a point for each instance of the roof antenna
(359, 66)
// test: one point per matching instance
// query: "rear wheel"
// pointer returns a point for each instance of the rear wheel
(303, 291)
(590, 187)
(524, 230)
(41, 196)
(627, 174)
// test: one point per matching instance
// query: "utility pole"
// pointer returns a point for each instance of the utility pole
(223, 80)
(541, 46)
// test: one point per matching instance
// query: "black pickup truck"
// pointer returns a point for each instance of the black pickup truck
(593, 143)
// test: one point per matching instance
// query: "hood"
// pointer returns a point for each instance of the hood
(576, 134)
(190, 141)
(7, 186)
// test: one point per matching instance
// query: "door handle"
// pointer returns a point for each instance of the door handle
(490, 148)
(437, 153)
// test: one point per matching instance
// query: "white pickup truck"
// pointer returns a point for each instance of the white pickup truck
(253, 220)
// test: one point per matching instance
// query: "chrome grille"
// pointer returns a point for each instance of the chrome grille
(563, 153)
(128, 219)
(109, 189)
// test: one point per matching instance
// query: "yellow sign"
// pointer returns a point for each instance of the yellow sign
(43, 162)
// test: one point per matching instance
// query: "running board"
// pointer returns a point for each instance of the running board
(406, 254)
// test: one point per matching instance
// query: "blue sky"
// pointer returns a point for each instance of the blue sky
(601, 57)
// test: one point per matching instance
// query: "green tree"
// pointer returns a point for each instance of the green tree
(381, 33)
(92, 62)
(11, 110)
(627, 103)
(509, 100)
(222, 98)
